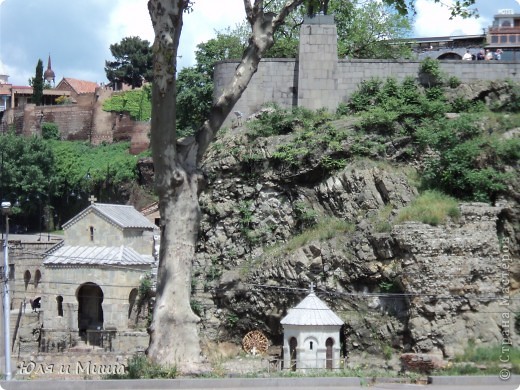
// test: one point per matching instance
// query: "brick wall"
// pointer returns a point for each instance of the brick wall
(74, 122)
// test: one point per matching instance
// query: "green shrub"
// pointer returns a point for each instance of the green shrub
(431, 207)
(430, 73)
(305, 217)
(453, 82)
(50, 131)
(136, 102)
(366, 95)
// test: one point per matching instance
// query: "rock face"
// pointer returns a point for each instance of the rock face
(411, 287)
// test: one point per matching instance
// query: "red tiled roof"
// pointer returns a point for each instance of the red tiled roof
(80, 86)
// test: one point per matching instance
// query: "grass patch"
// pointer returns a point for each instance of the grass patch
(325, 229)
(484, 361)
(140, 367)
(431, 207)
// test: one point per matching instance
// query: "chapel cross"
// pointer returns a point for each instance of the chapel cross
(92, 199)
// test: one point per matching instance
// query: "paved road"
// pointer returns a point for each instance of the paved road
(444, 383)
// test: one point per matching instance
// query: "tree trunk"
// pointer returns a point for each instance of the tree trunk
(174, 338)
(173, 335)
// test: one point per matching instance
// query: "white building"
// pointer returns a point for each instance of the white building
(311, 336)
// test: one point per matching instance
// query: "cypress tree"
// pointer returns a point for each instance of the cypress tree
(37, 84)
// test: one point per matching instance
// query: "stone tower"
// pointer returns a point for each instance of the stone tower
(318, 63)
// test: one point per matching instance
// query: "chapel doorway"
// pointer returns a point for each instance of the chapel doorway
(293, 343)
(328, 356)
(90, 310)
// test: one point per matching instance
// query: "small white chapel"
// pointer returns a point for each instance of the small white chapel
(311, 336)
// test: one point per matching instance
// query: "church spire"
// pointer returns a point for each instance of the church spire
(49, 73)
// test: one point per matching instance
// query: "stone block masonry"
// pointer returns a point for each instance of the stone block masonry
(318, 79)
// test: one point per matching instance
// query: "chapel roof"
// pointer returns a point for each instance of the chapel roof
(124, 216)
(311, 311)
(95, 255)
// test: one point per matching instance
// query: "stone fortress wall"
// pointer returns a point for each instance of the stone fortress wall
(319, 79)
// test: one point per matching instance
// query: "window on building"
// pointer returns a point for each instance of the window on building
(512, 38)
(59, 301)
(26, 278)
(494, 39)
(92, 233)
(310, 345)
(503, 39)
(37, 277)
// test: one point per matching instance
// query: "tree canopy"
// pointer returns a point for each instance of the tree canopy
(133, 62)
(37, 84)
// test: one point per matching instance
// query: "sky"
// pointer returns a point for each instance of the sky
(77, 34)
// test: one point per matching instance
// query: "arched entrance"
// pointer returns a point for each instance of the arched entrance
(329, 344)
(90, 310)
(293, 343)
(450, 56)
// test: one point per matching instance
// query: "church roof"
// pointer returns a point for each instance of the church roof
(96, 255)
(311, 311)
(124, 216)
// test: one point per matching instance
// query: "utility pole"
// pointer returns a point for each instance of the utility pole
(6, 209)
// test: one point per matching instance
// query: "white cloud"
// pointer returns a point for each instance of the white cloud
(434, 20)
(131, 18)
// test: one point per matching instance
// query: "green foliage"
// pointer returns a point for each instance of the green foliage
(305, 217)
(325, 229)
(144, 291)
(63, 100)
(50, 131)
(430, 73)
(460, 104)
(135, 102)
(27, 170)
(314, 138)
(389, 287)
(232, 320)
(387, 107)
(361, 26)
(133, 62)
(106, 162)
(470, 164)
(140, 367)
(492, 358)
(37, 84)
(453, 82)
(513, 104)
(431, 207)
(197, 307)
(194, 98)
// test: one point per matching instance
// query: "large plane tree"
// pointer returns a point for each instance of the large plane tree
(174, 336)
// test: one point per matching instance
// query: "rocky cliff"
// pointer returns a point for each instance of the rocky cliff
(268, 232)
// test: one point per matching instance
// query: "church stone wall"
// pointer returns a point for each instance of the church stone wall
(107, 234)
(65, 282)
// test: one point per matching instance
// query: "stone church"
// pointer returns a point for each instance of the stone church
(89, 285)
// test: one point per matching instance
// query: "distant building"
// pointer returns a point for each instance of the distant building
(505, 34)
(49, 75)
